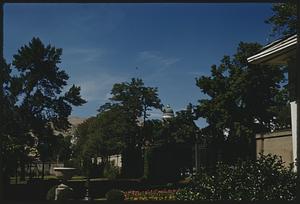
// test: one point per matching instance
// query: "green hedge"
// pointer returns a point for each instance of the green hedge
(151, 195)
(165, 162)
(264, 179)
(115, 195)
(110, 171)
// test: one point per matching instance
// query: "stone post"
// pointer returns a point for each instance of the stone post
(59, 190)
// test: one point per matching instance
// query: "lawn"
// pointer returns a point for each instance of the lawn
(47, 177)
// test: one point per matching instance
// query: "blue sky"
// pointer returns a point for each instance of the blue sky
(171, 44)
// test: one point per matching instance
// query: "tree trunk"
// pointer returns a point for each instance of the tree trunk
(30, 172)
(16, 176)
(43, 170)
(22, 168)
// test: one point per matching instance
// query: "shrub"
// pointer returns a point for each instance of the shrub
(264, 179)
(164, 162)
(110, 171)
(151, 195)
(51, 193)
(67, 194)
(147, 160)
(114, 195)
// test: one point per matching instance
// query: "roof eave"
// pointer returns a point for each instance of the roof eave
(275, 54)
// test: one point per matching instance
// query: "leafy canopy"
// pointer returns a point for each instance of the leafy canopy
(135, 98)
(39, 85)
(32, 101)
(241, 99)
(284, 19)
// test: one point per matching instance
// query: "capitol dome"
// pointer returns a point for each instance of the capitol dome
(168, 112)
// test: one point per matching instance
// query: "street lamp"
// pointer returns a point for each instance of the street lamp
(200, 151)
(43, 150)
(87, 196)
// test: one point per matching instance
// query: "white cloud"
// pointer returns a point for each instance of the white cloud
(154, 57)
(153, 64)
(103, 20)
(198, 73)
(97, 87)
(84, 55)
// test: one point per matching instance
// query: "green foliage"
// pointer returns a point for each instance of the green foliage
(241, 101)
(51, 193)
(135, 98)
(165, 162)
(110, 171)
(148, 158)
(284, 19)
(115, 129)
(264, 179)
(151, 195)
(67, 194)
(180, 129)
(115, 195)
(132, 162)
(32, 103)
(101, 136)
(39, 85)
(14, 138)
(169, 148)
(151, 131)
(62, 148)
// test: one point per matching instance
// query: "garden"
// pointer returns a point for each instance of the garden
(265, 179)
(122, 154)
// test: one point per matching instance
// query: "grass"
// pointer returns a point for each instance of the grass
(46, 177)
(100, 199)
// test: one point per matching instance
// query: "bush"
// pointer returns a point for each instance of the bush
(51, 193)
(164, 162)
(115, 195)
(67, 194)
(151, 195)
(110, 171)
(264, 179)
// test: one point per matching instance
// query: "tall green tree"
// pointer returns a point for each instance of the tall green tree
(10, 139)
(102, 136)
(284, 18)
(108, 130)
(39, 86)
(185, 130)
(35, 98)
(15, 141)
(62, 148)
(81, 136)
(240, 101)
(284, 23)
(169, 152)
(135, 99)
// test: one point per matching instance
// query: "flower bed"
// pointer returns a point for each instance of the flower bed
(150, 195)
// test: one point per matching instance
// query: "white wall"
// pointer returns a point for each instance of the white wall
(294, 129)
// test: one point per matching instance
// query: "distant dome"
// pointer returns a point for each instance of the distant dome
(168, 112)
